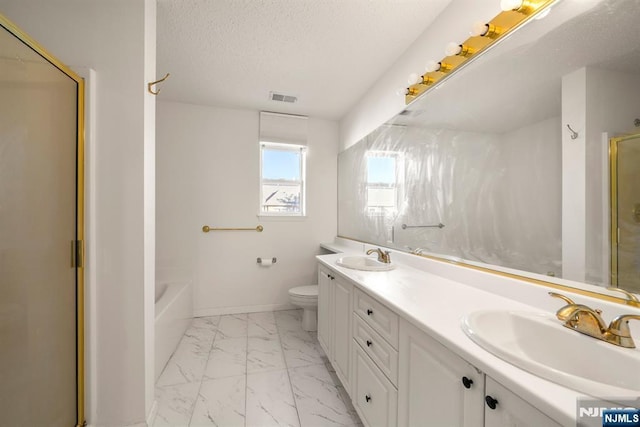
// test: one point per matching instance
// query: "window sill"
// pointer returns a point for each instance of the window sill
(282, 218)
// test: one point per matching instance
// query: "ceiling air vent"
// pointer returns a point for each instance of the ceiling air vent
(282, 98)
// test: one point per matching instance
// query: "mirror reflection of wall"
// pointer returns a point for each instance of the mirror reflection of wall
(489, 155)
(487, 190)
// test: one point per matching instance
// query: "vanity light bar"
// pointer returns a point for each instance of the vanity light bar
(483, 36)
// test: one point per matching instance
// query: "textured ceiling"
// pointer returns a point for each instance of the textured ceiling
(232, 53)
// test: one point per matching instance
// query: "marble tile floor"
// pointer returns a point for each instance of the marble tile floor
(255, 369)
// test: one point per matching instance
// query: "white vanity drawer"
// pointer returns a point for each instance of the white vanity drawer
(379, 317)
(380, 351)
(375, 398)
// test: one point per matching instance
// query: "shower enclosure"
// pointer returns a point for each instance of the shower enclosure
(625, 212)
(41, 234)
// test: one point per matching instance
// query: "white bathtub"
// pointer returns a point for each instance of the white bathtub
(174, 311)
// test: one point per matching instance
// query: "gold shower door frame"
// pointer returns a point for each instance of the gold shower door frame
(78, 245)
(614, 199)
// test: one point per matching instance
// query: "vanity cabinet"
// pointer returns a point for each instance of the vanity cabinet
(375, 361)
(334, 322)
(505, 409)
(324, 320)
(398, 375)
(435, 386)
(342, 292)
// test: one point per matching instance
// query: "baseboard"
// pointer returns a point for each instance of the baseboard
(152, 413)
(145, 424)
(150, 418)
(203, 312)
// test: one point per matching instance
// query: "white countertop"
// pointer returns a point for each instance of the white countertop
(437, 305)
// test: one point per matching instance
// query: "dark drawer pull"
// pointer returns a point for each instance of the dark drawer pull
(491, 402)
(367, 398)
(369, 343)
(467, 382)
(369, 312)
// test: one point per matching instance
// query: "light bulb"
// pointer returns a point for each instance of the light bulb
(432, 66)
(479, 29)
(453, 49)
(401, 91)
(507, 5)
(413, 79)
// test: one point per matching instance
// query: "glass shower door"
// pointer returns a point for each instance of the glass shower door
(626, 212)
(39, 106)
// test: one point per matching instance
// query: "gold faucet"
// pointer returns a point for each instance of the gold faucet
(383, 256)
(588, 321)
(619, 332)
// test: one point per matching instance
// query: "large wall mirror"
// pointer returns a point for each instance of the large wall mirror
(506, 162)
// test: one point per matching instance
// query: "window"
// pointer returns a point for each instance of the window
(282, 179)
(383, 171)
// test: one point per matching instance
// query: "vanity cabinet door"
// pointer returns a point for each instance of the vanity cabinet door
(505, 409)
(341, 307)
(435, 386)
(374, 397)
(324, 316)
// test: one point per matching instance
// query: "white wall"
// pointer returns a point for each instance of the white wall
(207, 171)
(381, 102)
(109, 37)
(530, 218)
(149, 206)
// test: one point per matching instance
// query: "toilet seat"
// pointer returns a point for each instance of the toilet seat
(304, 291)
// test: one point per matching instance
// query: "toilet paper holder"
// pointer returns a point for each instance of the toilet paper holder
(273, 260)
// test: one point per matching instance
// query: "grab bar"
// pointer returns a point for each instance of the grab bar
(207, 229)
(405, 226)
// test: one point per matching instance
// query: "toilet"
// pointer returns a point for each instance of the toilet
(306, 297)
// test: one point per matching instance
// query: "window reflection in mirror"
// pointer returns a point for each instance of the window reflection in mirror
(384, 176)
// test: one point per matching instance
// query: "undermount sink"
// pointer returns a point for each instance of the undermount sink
(541, 345)
(364, 263)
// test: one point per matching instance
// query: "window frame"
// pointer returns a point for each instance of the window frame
(282, 146)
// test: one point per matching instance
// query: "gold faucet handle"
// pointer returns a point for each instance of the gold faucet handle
(629, 295)
(620, 325)
(619, 332)
(562, 297)
(566, 311)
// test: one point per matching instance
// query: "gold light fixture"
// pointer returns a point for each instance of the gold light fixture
(521, 6)
(481, 29)
(484, 34)
(427, 80)
(455, 49)
(441, 67)
(412, 91)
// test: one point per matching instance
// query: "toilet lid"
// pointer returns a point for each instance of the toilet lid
(305, 291)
